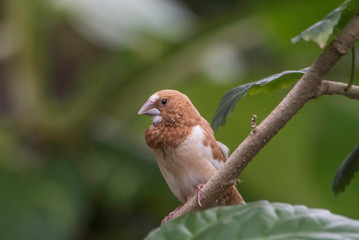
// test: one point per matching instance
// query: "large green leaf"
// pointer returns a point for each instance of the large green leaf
(259, 220)
(268, 84)
(321, 31)
(346, 171)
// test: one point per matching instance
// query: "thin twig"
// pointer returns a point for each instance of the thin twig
(352, 72)
(339, 88)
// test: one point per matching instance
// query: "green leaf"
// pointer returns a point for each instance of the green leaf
(268, 84)
(259, 220)
(346, 171)
(321, 31)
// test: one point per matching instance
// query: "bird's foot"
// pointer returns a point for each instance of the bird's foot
(198, 193)
(170, 215)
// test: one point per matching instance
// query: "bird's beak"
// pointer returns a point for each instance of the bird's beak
(149, 109)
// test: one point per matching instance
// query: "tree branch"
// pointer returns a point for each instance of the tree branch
(308, 87)
(330, 88)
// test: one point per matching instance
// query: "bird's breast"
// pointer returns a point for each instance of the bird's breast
(187, 165)
(162, 136)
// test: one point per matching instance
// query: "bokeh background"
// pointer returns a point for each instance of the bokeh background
(74, 73)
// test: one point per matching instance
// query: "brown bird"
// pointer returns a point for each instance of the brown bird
(186, 151)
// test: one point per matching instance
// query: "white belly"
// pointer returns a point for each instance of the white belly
(186, 166)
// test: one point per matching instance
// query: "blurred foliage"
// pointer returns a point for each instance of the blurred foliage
(73, 74)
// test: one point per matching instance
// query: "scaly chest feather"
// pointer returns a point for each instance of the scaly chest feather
(187, 165)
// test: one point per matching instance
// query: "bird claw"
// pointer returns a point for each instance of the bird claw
(170, 215)
(167, 218)
(198, 193)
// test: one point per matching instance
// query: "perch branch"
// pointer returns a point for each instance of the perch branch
(307, 88)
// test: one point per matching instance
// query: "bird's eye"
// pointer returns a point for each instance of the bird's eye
(164, 101)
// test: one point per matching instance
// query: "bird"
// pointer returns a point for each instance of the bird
(184, 146)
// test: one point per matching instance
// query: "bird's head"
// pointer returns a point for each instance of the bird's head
(171, 108)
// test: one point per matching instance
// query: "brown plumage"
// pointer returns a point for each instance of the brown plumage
(186, 151)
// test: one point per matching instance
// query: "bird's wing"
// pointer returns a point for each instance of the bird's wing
(224, 150)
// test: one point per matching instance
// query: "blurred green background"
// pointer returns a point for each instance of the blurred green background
(74, 73)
